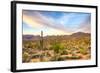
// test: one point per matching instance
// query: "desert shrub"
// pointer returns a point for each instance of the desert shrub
(61, 59)
(55, 58)
(26, 57)
(64, 52)
(83, 51)
(58, 48)
(73, 57)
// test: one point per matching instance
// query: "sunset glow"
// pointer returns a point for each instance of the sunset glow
(55, 23)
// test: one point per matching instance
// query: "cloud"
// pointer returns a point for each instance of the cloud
(86, 25)
(36, 20)
(31, 21)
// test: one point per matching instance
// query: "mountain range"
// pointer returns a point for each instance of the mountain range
(74, 35)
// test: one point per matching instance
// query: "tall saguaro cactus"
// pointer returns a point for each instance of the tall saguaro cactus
(41, 45)
(41, 42)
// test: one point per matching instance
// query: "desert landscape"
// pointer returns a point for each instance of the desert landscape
(56, 48)
(55, 36)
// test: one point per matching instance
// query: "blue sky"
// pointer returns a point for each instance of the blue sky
(55, 23)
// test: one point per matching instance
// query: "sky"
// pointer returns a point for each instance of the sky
(55, 23)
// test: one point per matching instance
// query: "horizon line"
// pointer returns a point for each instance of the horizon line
(58, 34)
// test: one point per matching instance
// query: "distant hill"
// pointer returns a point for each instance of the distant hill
(74, 35)
(80, 34)
(30, 37)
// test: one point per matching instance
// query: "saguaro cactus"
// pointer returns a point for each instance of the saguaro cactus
(41, 41)
(41, 46)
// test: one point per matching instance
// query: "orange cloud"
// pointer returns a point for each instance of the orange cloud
(31, 21)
